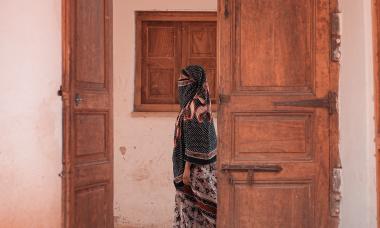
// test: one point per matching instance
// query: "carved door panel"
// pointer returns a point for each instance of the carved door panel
(87, 96)
(274, 120)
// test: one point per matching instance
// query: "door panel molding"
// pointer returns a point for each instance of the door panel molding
(270, 59)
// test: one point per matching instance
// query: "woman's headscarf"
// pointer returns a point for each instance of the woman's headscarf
(194, 138)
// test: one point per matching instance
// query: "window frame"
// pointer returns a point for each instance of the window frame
(164, 16)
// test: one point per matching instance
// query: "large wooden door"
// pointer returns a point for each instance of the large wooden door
(87, 98)
(277, 117)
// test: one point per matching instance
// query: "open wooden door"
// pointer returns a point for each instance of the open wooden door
(87, 106)
(277, 120)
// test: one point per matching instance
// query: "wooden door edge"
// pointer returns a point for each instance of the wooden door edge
(335, 162)
(65, 36)
(375, 42)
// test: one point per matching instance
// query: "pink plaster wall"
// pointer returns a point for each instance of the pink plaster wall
(144, 194)
(30, 113)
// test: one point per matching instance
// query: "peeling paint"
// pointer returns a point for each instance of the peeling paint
(123, 150)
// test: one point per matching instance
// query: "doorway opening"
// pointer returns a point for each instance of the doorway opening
(276, 118)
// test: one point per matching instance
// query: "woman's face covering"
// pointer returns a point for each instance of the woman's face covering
(186, 89)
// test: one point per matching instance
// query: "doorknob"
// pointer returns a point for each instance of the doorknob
(78, 99)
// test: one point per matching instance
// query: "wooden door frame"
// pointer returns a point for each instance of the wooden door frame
(65, 85)
(376, 74)
(335, 162)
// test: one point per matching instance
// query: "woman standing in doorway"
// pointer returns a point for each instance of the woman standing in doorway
(194, 154)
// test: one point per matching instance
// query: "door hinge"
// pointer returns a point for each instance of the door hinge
(223, 99)
(336, 33)
(329, 102)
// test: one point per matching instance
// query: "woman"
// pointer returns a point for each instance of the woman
(194, 154)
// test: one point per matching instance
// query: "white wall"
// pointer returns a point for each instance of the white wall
(30, 113)
(144, 193)
(356, 117)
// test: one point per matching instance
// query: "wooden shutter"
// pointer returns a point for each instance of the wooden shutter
(277, 117)
(199, 47)
(160, 61)
(87, 96)
(165, 43)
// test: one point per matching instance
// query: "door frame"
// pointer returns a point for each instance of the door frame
(65, 85)
(335, 169)
(376, 74)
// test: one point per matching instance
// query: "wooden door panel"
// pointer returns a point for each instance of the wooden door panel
(91, 137)
(90, 42)
(287, 204)
(272, 136)
(91, 206)
(94, 174)
(274, 45)
(93, 99)
(88, 153)
(272, 52)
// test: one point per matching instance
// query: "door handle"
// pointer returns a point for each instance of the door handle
(77, 99)
(251, 169)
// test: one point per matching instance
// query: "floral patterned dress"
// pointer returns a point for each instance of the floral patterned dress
(195, 206)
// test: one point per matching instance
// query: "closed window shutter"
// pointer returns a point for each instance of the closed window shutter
(165, 43)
